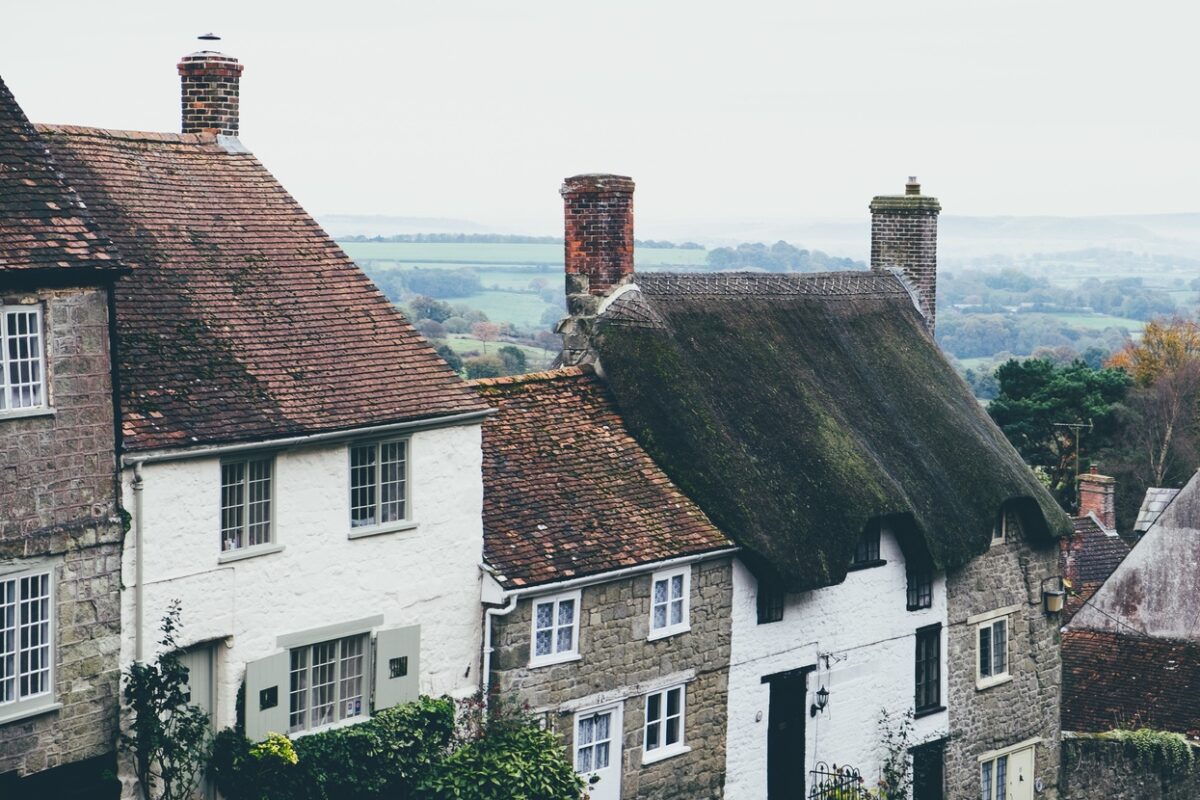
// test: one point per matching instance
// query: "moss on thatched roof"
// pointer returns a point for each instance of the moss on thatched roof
(797, 409)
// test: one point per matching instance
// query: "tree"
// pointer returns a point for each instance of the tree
(513, 359)
(486, 332)
(1035, 395)
(423, 307)
(1165, 345)
(452, 358)
(170, 739)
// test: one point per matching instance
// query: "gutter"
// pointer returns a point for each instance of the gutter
(154, 456)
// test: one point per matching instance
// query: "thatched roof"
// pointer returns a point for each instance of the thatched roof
(798, 409)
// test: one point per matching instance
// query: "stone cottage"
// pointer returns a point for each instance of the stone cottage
(302, 470)
(60, 530)
(893, 544)
(608, 592)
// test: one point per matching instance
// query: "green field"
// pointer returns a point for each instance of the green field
(474, 254)
(1099, 321)
(536, 357)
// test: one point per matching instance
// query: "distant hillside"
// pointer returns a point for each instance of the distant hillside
(346, 225)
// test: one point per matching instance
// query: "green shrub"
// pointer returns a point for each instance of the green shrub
(1167, 751)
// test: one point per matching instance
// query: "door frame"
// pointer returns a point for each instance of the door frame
(799, 674)
(617, 737)
(1028, 744)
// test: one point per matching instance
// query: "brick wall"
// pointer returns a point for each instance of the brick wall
(598, 232)
(210, 86)
(982, 720)
(904, 235)
(57, 487)
(614, 623)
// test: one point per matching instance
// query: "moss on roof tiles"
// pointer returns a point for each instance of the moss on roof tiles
(795, 419)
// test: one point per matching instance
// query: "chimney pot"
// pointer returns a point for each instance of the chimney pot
(912, 187)
(209, 91)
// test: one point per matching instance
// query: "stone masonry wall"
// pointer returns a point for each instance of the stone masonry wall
(616, 656)
(58, 508)
(1025, 707)
(1093, 768)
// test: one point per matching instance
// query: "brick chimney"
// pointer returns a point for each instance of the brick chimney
(1096, 494)
(598, 233)
(904, 236)
(209, 84)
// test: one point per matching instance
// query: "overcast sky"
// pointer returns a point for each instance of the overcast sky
(738, 109)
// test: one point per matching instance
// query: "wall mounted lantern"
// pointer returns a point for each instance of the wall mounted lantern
(1053, 594)
(822, 701)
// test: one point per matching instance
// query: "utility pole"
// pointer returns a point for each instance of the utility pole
(1077, 429)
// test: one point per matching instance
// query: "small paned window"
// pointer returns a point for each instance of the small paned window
(928, 669)
(920, 588)
(22, 358)
(379, 483)
(669, 602)
(593, 741)
(770, 602)
(327, 683)
(555, 629)
(866, 553)
(663, 735)
(245, 503)
(993, 778)
(993, 651)
(26, 640)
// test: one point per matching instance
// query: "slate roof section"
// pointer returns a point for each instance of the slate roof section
(241, 319)
(1120, 680)
(568, 492)
(43, 223)
(1153, 504)
(1090, 556)
(796, 409)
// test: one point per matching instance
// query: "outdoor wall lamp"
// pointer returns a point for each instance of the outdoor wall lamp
(1052, 597)
(822, 701)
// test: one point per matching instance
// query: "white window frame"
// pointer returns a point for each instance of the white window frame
(363, 710)
(555, 656)
(11, 622)
(43, 404)
(988, 620)
(664, 750)
(247, 550)
(615, 737)
(370, 529)
(685, 623)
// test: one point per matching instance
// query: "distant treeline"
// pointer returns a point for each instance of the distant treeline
(779, 257)
(444, 283)
(500, 238)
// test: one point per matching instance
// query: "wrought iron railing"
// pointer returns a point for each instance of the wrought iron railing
(827, 782)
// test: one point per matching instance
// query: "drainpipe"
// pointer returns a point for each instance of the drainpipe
(495, 611)
(139, 604)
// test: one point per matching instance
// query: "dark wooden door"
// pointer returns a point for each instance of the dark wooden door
(785, 735)
(927, 771)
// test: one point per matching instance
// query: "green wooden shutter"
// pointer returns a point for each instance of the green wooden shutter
(267, 696)
(397, 666)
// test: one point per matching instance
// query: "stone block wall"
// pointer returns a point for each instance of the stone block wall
(1025, 707)
(618, 660)
(58, 495)
(1095, 768)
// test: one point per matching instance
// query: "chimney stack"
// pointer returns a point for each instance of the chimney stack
(1096, 493)
(209, 84)
(598, 233)
(904, 236)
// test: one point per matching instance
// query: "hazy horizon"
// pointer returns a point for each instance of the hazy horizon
(759, 111)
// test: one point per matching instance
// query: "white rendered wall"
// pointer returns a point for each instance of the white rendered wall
(869, 636)
(428, 575)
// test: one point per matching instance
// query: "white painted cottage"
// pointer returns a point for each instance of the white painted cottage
(302, 470)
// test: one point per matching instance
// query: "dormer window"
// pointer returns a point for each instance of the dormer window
(22, 359)
(866, 553)
(920, 588)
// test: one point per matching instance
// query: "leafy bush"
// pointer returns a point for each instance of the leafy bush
(1167, 751)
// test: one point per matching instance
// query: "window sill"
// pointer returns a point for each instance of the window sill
(344, 723)
(28, 712)
(379, 530)
(928, 712)
(664, 633)
(988, 683)
(663, 753)
(549, 661)
(249, 552)
(26, 413)
(878, 562)
(918, 608)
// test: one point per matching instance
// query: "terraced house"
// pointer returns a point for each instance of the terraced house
(608, 592)
(60, 533)
(302, 470)
(893, 546)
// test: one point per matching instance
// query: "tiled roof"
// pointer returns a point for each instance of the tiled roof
(1119, 680)
(1152, 505)
(241, 319)
(43, 224)
(567, 490)
(1088, 558)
